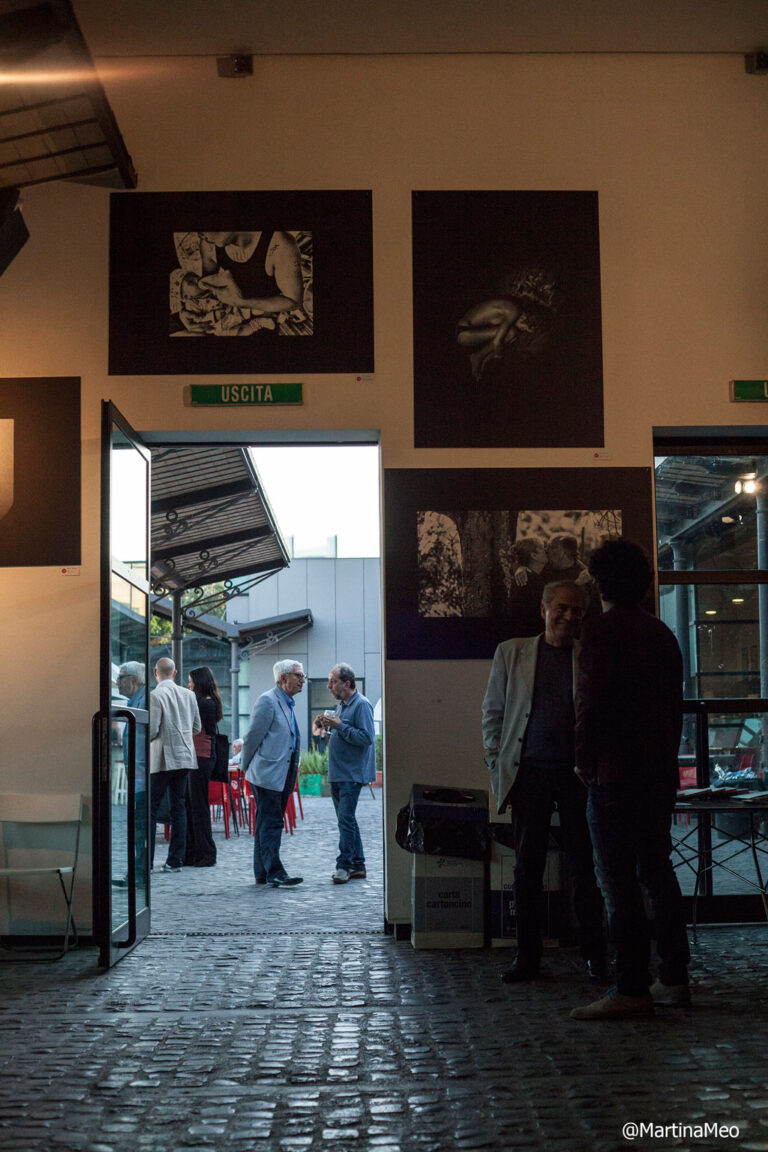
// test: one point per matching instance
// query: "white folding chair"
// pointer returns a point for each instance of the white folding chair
(35, 843)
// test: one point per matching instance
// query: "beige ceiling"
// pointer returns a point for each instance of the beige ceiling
(222, 27)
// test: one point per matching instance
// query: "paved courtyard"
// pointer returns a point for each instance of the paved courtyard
(287, 1021)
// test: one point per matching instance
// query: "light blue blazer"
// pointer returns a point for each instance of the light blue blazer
(268, 742)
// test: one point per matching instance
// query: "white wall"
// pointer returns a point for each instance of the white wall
(676, 147)
(344, 596)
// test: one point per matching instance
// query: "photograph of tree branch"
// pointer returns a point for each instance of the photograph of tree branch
(473, 560)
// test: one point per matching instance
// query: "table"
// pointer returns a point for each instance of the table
(697, 854)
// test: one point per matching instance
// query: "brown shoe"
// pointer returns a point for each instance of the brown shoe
(616, 1006)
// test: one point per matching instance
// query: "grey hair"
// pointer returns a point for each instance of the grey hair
(133, 668)
(283, 667)
(549, 591)
(346, 672)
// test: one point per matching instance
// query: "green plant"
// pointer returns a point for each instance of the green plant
(313, 763)
(378, 745)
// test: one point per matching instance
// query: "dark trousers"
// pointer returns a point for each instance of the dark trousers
(174, 782)
(538, 787)
(345, 795)
(268, 833)
(633, 845)
(201, 848)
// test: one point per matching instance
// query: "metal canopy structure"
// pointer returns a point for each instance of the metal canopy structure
(211, 523)
(55, 120)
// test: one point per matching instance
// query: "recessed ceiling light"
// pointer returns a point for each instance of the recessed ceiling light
(710, 612)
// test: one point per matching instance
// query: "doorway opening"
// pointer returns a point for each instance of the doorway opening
(321, 607)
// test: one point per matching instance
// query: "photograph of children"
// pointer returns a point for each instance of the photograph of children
(497, 563)
(468, 551)
(506, 320)
(241, 283)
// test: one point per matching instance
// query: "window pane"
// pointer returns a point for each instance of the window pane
(717, 627)
(736, 743)
(706, 511)
(128, 499)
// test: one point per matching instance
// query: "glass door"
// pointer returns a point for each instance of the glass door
(712, 549)
(121, 746)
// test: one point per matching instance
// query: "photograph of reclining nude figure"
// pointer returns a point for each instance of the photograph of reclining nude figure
(288, 274)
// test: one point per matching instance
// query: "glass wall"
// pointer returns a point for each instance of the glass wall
(712, 547)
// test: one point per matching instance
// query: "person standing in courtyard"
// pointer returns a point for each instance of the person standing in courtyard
(351, 764)
(201, 847)
(270, 757)
(628, 726)
(174, 719)
(528, 734)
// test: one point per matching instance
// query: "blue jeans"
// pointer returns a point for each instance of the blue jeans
(630, 832)
(345, 796)
(174, 781)
(268, 832)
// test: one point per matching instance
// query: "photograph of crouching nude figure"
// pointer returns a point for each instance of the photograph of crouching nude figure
(506, 319)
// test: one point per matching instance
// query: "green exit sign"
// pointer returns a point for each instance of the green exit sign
(244, 395)
(749, 390)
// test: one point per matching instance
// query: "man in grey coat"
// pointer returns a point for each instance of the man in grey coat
(528, 734)
(270, 757)
(174, 718)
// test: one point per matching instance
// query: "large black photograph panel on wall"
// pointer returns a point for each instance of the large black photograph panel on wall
(285, 277)
(468, 551)
(39, 472)
(506, 320)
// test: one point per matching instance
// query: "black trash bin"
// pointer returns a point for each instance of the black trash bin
(446, 830)
(440, 821)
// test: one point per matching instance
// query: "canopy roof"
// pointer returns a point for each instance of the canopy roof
(211, 520)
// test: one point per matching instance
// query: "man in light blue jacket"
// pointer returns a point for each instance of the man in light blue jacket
(270, 756)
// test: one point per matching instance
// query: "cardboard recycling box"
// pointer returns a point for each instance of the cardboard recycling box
(502, 893)
(448, 902)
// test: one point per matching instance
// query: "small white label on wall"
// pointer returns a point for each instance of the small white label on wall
(602, 454)
(73, 570)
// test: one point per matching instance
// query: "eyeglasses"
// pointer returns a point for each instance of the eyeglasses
(299, 675)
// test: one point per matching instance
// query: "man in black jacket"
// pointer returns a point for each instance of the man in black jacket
(628, 725)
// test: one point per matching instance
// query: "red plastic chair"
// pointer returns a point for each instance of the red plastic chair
(298, 797)
(218, 797)
(289, 817)
(250, 800)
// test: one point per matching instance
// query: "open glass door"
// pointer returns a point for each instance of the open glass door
(121, 768)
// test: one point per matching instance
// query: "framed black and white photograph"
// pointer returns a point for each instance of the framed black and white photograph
(251, 282)
(507, 335)
(39, 472)
(470, 550)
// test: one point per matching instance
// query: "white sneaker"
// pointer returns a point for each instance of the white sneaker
(340, 876)
(671, 995)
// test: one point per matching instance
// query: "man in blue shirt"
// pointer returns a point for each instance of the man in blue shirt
(351, 764)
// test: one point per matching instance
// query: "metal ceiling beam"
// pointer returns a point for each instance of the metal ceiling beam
(193, 548)
(186, 499)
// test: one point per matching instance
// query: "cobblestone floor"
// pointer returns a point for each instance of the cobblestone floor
(287, 1021)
